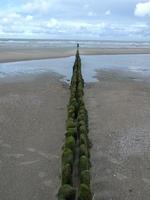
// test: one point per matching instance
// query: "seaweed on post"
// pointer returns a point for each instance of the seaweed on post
(76, 148)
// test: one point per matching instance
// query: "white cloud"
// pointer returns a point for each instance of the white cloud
(37, 6)
(86, 6)
(74, 25)
(108, 12)
(30, 26)
(29, 17)
(54, 18)
(142, 9)
(52, 23)
(9, 17)
(91, 14)
(14, 24)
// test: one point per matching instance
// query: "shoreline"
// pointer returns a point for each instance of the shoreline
(27, 54)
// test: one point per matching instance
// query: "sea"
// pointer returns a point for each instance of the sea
(71, 43)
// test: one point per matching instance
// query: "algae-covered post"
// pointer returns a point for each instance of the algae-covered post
(75, 177)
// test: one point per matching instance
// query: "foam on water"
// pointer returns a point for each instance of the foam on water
(72, 43)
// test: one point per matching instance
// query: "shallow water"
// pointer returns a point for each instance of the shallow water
(139, 65)
(62, 66)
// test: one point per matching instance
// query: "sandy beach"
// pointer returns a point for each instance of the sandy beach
(12, 54)
(119, 113)
(32, 119)
(32, 124)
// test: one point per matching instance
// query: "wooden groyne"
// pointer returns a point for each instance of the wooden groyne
(75, 161)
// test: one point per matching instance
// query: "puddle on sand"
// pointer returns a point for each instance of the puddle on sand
(138, 64)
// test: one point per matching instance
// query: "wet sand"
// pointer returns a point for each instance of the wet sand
(119, 118)
(19, 54)
(32, 128)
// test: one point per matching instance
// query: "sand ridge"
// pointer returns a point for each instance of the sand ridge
(29, 53)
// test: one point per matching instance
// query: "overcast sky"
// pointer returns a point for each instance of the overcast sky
(75, 19)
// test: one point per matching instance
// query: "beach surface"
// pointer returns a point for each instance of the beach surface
(32, 124)
(12, 54)
(32, 128)
(119, 115)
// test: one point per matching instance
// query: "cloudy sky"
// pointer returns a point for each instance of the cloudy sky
(75, 19)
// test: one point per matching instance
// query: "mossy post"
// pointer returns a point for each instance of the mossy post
(75, 174)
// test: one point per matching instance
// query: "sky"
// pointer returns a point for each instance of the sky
(75, 19)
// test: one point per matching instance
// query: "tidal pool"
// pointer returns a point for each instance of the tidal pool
(138, 64)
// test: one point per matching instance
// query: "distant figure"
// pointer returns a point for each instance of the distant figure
(78, 45)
